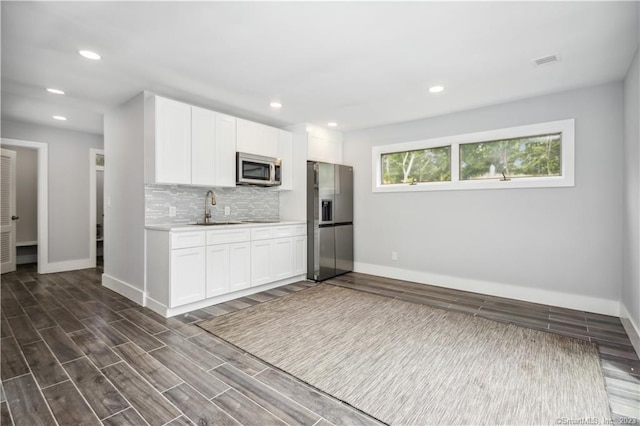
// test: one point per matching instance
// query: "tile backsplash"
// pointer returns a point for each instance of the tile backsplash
(244, 202)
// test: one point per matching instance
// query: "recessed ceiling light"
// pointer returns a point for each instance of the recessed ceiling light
(275, 105)
(59, 117)
(332, 124)
(56, 91)
(436, 89)
(89, 54)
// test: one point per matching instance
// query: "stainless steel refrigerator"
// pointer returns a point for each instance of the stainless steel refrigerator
(329, 220)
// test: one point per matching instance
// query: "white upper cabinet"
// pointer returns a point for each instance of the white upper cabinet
(225, 151)
(203, 146)
(190, 145)
(256, 138)
(172, 142)
(285, 152)
(324, 145)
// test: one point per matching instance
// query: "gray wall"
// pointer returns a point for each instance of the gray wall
(124, 193)
(560, 239)
(631, 277)
(245, 203)
(26, 193)
(68, 185)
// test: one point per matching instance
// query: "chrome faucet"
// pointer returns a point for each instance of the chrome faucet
(207, 210)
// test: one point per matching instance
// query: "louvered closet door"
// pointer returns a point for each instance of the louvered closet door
(8, 211)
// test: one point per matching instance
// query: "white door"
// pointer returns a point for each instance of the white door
(239, 266)
(217, 269)
(225, 164)
(285, 152)
(261, 262)
(299, 255)
(203, 145)
(173, 142)
(8, 212)
(188, 275)
(282, 258)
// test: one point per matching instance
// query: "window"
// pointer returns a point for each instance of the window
(533, 156)
(511, 158)
(422, 165)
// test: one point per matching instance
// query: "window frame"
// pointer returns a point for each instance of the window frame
(567, 153)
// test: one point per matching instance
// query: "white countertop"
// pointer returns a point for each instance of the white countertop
(183, 227)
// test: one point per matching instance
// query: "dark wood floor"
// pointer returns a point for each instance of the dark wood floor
(74, 352)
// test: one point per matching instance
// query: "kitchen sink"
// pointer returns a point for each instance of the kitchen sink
(217, 223)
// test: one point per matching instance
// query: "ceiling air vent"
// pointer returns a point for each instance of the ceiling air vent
(545, 60)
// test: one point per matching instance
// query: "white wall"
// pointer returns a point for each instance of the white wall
(68, 185)
(124, 198)
(26, 193)
(532, 244)
(631, 218)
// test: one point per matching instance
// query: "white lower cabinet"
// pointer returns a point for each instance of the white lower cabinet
(282, 258)
(239, 266)
(187, 267)
(278, 258)
(217, 270)
(188, 280)
(228, 268)
(299, 255)
(261, 259)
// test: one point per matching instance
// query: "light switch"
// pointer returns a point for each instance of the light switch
(172, 211)
(227, 210)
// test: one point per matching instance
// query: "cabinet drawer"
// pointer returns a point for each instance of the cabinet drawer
(266, 232)
(299, 230)
(187, 239)
(228, 236)
(282, 231)
(262, 233)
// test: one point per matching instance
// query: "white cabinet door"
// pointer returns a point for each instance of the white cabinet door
(282, 258)
(225, 150)
(172, 142)
(247, 135)
(239, 266)
(188, 278)
(270, 141)
(299, 255)
(285, 152)
(261, 262)
(217, 270)
(324, 146)
(256, 138)
(203, 146)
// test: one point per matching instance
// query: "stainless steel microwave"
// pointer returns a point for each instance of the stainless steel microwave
(257, 170)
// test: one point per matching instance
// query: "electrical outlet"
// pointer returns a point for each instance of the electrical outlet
(227, 210)
(394, 255)
(172, 211)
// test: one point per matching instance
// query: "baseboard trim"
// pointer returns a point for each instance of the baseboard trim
(630, 327)
(170, 312)
(528, 294)
(125, 289)
(26, 258)
(69, 265)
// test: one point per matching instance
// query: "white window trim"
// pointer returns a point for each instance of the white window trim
(565, 127)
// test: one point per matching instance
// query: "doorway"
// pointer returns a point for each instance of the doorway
(96, 207)
(40, 239)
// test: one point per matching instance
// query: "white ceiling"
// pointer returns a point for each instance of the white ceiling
(358, 63)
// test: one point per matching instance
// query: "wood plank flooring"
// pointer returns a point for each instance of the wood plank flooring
(74, 352)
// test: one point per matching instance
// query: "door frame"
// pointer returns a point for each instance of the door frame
(43, 197)
(93, 168)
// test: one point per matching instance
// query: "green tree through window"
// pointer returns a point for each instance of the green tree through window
(423, 165)
(521, 157)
